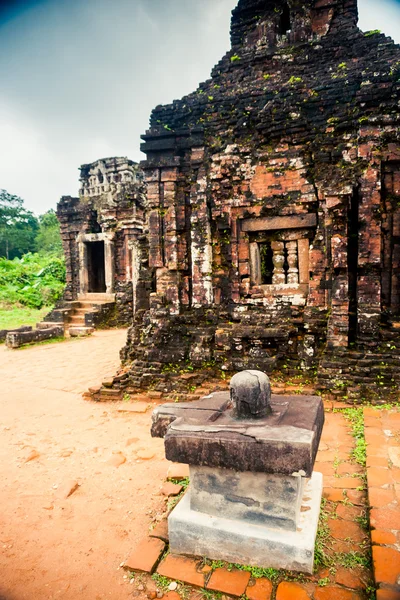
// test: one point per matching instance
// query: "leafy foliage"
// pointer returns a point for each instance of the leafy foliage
(48, 239)
(28, 279)
(18, 227)
(34, 280)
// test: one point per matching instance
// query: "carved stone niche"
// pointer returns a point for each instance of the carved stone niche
(279, 252)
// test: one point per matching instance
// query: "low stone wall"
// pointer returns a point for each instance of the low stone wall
(18, 339)
(5, 332)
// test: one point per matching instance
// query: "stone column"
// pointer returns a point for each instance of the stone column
(278, 259)
(303, 249)
(369, 256)
(109, 265)
(83, 267)
(202, 292)
(134, 246)
(293, 272)
(338, 322)
(255, 264)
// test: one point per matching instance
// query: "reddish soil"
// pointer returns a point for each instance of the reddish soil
(52, 547)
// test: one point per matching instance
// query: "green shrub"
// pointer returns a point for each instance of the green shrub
(35, 280)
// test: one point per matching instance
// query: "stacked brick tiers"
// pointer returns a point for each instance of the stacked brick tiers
(274, 202)
(102, 235)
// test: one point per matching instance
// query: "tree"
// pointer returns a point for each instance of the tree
(48, 239)
(18, 226)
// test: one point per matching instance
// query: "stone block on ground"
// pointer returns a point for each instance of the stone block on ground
(16, 340)
(146, 555)
(80, 331)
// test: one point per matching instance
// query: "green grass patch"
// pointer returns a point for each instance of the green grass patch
(355, 416)
(12, 318)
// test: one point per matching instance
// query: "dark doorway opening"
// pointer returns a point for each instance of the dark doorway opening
(267, 263)
(352, 261)
(284, 21)
(96, 268)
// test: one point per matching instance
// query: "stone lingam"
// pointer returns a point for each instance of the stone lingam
(253, 497)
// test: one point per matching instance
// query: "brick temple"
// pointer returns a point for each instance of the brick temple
(102, 236)
(273, 207)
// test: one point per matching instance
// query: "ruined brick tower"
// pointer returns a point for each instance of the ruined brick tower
(102, 235)
(274, 205)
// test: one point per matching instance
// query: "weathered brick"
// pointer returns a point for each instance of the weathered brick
(288, 591)
(233, 583)
(182, 569)
(261, 590)
(386, 565)
(146, 555)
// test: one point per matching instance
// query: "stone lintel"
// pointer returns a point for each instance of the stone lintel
(272, 223)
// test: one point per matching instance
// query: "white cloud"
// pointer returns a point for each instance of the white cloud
(80, 78)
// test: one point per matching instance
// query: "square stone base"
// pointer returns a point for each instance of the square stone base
(199, 534)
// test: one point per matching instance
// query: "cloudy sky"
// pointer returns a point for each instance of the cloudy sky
(79, 78)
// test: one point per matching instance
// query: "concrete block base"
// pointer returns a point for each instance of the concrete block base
(199, 534)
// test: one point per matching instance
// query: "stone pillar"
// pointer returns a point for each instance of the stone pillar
(369, 256)
(303, 249)
(278, 277)
(134, 246)
(293, 272)
(109, 265)
(338, 323)
(202, 292)
(255, 264)
(83, 267)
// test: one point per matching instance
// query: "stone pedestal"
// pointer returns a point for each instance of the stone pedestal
(253, 496)
(241, 541)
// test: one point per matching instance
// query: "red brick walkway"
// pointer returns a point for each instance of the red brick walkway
(382, 434)
(343, 571)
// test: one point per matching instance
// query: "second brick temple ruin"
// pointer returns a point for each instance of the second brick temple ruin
(270, 234)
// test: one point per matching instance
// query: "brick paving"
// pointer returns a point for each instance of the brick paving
(345, 571)
(382, 435)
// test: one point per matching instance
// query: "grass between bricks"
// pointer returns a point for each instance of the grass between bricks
(324, 557)
(172, 502)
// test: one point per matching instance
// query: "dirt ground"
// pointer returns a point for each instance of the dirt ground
(52, 547)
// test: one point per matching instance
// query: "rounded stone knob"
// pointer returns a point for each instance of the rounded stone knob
(251, 395)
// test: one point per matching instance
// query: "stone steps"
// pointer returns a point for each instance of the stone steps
(75, 319)
(96, 298)
(80, 331)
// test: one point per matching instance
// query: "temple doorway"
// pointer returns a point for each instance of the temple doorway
(96, 267)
